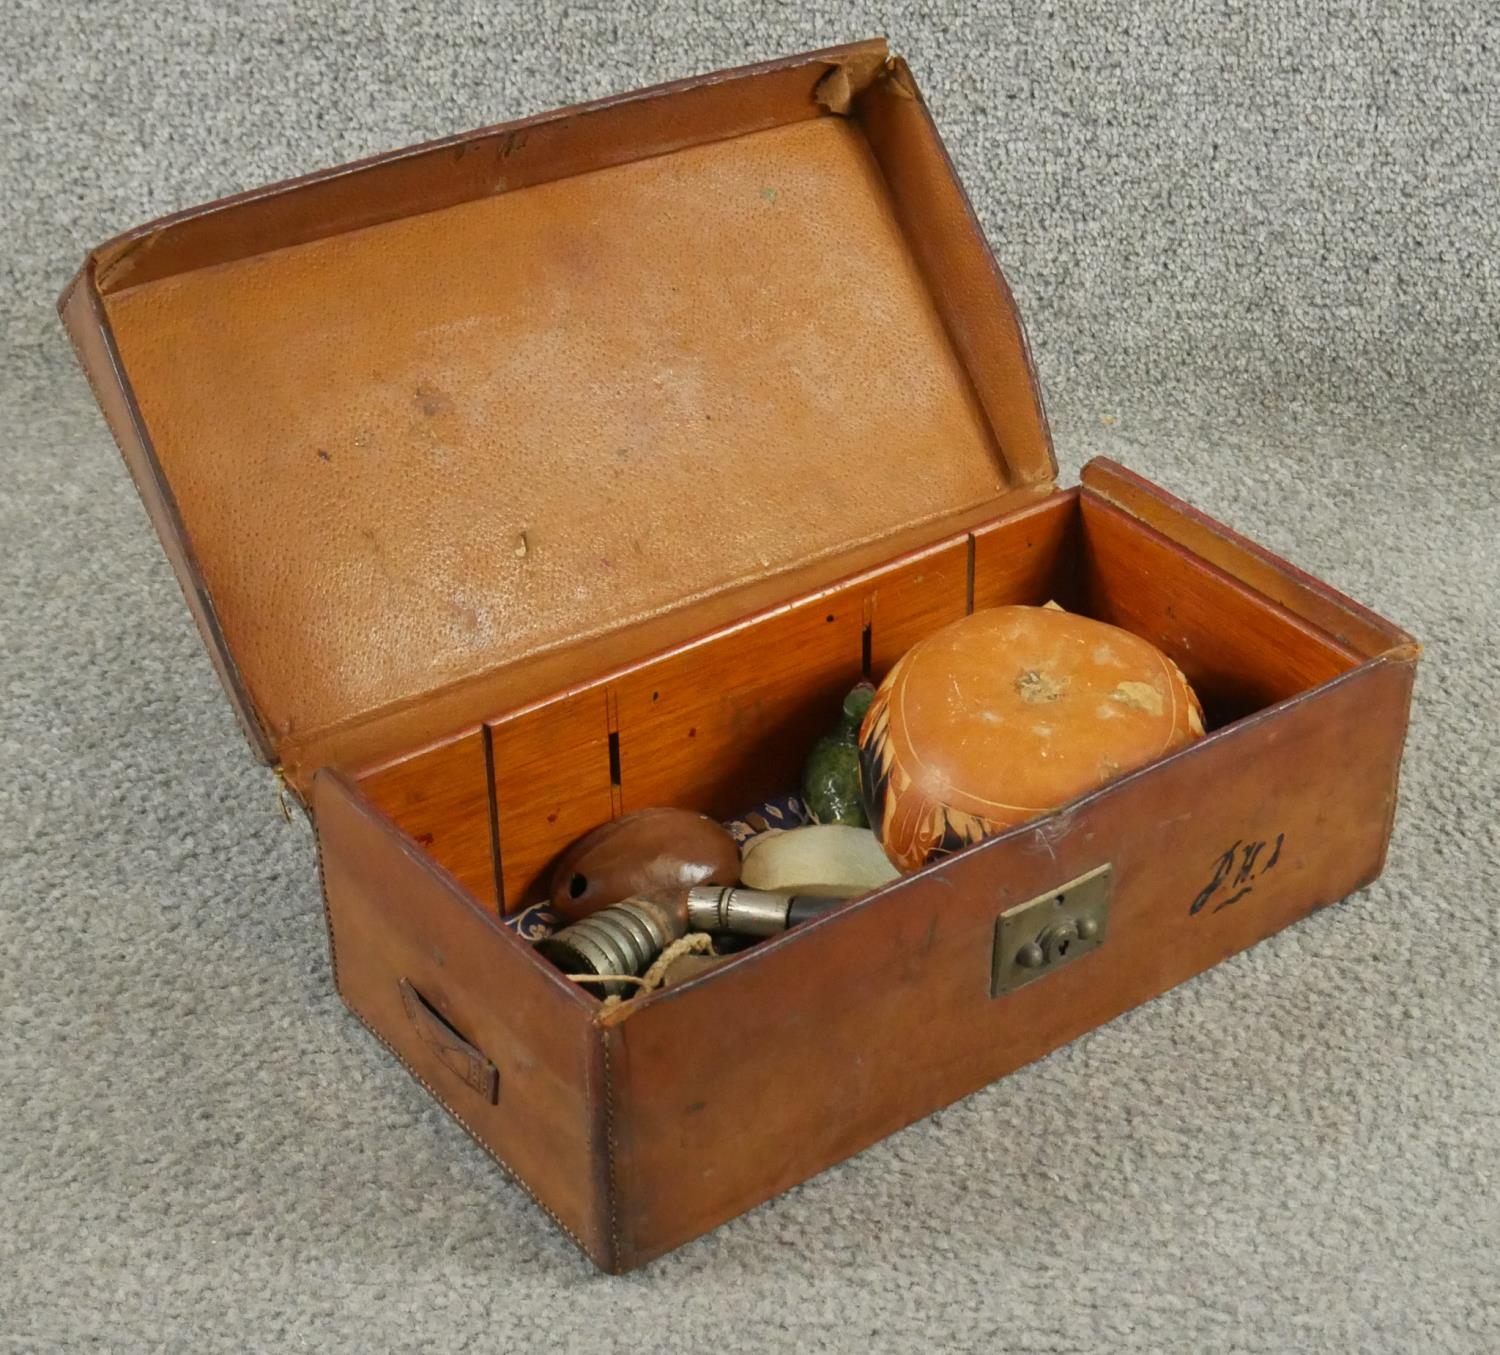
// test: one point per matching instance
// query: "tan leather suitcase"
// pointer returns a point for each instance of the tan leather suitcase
(573, 466)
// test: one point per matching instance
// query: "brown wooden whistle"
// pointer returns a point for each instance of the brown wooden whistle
(655, 853)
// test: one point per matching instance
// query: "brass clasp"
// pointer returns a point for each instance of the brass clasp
(1046, 932)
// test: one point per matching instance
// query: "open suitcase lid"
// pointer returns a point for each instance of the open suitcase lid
(420, 432)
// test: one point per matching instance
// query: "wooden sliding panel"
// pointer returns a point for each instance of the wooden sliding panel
(725, 723)
(909, 601)
(440, 798)
(553, 783)
(1239, 649)
(716, 725)
(1029, 557)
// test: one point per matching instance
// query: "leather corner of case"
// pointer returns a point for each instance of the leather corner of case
(900, 80)
(69, 291)
(79, 310)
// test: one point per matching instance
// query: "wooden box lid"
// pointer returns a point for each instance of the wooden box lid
(423, 433)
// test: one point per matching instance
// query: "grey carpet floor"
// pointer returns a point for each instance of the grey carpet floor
(1257, 250)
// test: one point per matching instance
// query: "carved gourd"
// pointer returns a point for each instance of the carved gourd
(1007, 714)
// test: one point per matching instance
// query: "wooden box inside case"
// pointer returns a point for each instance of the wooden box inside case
(579, 465)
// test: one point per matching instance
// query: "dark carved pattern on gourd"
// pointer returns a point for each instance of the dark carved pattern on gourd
(914, 828)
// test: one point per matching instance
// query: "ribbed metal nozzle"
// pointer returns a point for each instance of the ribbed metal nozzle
(749, 912)
(622, 939)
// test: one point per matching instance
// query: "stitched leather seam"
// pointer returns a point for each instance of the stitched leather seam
(141, 245)
(609, 1147)
(469, 1130)
(333, 950)
(416, 1076)
(66, 296)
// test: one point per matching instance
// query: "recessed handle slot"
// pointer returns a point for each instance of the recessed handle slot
(454, 1052)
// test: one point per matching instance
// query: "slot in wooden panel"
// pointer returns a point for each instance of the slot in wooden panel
(440, 798)
(1030, 557)
(725, 723)
(716, 725)
(552, 784)
(1240, 650)
(911, 601)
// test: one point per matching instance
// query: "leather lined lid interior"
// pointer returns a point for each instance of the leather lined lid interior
(426, 448)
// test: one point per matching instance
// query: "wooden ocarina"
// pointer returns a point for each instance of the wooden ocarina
(649, 853)
(1009, 713)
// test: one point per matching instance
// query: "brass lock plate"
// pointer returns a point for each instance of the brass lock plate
(1043, 934)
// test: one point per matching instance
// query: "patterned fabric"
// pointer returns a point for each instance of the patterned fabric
(534, 923)
(774, 816)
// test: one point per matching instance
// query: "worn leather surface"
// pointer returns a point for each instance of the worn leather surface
(641, 1126)
(790, 1058)
(523, 1077)
(501, 411)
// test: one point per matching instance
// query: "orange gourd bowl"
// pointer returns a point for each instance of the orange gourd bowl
(1007, 714)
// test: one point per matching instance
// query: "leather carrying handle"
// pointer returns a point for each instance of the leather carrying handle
(453, 1051)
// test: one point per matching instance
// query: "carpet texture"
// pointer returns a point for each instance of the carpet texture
(1256, 247)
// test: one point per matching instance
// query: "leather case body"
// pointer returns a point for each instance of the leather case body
(578, 465)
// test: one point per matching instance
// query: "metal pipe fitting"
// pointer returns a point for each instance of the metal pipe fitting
(750, 912)
(622, 939)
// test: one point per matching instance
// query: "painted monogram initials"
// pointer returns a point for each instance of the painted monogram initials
(1235, 873)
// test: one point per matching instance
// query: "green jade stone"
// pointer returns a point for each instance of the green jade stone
(830, 779)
